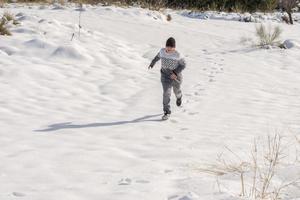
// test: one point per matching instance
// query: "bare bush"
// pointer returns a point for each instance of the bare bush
(7, 20)
(3, 27)
(263, 176)
(10, 17)
(155, 4)
(288, 6)
(259, 174)
(269, 5)
(268, 36)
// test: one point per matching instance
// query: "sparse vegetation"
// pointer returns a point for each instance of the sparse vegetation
(288, 6)
(259, 175)
(268, 37)
(268, 5)
(218, 5)
(3, 27)
(4, 22)
(10, 17)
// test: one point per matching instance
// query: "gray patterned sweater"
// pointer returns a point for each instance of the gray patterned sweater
(170, 62)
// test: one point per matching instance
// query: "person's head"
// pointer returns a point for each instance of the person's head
(170, 45)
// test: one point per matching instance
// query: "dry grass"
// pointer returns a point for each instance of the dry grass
(257, 175)
(10, 17)
(3, 29)
(62, 2)
(268, 36)
(5, 20)
(263, 175)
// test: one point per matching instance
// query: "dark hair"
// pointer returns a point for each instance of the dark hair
(171, 42)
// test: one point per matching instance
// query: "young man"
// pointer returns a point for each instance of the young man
(172, 65)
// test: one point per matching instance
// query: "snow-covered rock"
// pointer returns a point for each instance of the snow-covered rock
(288, 44)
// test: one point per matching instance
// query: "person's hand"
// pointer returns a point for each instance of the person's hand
(173, 76)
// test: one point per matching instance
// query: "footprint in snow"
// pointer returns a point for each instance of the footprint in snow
(197, 85)
(168, 171)
(189, 196)
(173, 121)
(197, 93)
(184, 129)
(126, 181)
(142, 181)
(172, 197)
(168, 137)
(18, 194)
(185, 198)
(176, 197)
(42, 20)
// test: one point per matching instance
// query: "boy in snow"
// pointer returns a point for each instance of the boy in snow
(172, 65)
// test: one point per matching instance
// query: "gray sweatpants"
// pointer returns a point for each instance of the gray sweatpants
(168, 84)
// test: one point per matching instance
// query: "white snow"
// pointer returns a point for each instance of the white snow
(247, 17)
(80, 117)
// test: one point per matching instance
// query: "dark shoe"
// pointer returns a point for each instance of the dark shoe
(179, 101)
(168, 112)
(166, 115)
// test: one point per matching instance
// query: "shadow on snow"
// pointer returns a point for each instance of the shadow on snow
(69, 125)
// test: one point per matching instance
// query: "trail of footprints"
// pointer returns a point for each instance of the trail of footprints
(128, 181)
(213, 66)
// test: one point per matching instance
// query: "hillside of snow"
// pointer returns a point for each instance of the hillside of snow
(80, 114)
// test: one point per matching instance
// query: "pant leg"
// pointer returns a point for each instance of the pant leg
(167, 88)
(177, 87)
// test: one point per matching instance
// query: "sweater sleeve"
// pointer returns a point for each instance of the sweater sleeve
(156, 58)
(181, 66)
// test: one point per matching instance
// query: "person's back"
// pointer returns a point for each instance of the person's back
(172, 65)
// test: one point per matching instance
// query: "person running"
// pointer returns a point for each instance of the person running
(172, 65)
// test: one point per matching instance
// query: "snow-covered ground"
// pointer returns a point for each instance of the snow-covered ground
(254, 17)
(80, 116)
